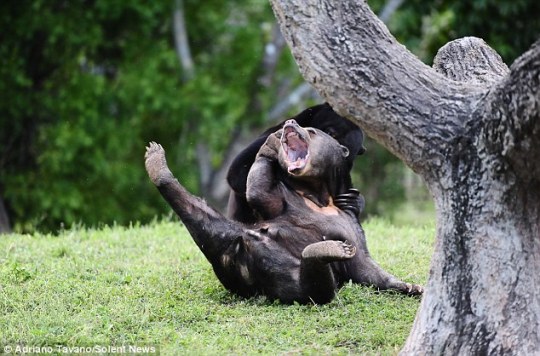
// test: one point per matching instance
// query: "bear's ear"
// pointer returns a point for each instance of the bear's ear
(344, 151)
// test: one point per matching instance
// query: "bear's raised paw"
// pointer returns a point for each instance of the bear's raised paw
(155, 163)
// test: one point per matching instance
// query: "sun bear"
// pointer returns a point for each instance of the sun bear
(306, 247)
(296, 160)
(321, 117)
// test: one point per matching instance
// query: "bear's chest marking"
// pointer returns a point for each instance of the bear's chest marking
(330, 209)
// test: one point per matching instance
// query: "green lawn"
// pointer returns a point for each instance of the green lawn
(151, 286)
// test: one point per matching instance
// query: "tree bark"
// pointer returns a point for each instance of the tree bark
(471, 128)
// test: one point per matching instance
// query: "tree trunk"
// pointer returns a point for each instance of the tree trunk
(181, 41)
(4, 220)
(471, 128)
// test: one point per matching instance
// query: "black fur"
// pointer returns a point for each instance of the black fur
(321, 117)
(302, 251)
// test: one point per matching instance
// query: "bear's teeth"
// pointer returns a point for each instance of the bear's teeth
(291, 134)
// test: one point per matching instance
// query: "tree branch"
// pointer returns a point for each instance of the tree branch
(470, 60)
(305, 90)
(366, 75)
(513, 128)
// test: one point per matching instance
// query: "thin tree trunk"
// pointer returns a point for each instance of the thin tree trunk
(294, 98)
(4, 220)
(181, 41)
(389, 9)
(475, 140)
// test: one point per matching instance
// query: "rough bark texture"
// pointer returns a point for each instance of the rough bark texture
(471, 128)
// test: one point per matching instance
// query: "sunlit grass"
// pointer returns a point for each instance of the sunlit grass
(413, 213)
(150, 285)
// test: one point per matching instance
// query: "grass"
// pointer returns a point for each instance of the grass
(151, 286)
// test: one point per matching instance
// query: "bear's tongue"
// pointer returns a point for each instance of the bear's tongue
(295, 142)
(297, 151)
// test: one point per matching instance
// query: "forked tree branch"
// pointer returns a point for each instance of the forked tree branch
(513, 115)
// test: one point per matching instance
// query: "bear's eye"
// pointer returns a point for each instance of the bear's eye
(311, 131)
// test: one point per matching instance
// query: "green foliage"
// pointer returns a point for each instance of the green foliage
(87, 84)
(379, 177)
(509, 26)
(152, 286)
(74, 135)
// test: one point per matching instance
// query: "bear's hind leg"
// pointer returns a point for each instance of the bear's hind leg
(212, 232)
(316, 276)
(364, 270)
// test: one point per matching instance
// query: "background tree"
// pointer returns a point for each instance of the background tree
(470, 134)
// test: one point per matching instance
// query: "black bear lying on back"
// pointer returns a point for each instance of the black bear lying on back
(305, 247)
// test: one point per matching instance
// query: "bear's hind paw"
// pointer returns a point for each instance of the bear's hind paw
(155, 163)
(329, 250)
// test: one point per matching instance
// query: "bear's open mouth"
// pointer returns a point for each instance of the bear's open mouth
(296, 148)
